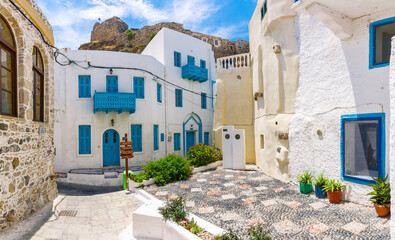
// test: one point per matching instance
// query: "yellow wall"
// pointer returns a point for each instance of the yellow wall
(27, 7)
(275, 75)
(234, 106)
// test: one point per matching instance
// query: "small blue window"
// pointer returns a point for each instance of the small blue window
(362, 147)
(207, 138)
(263, 9)
(177, 59)
(204, 100)
(84, 86)
(138, 86)
(191, 60)
(202, 64)
(162, 137)
(84, 139)
(177, 141)
(112, 83)
(136, 137)
(381, 33)
(159, 92)
(156, 137)
(178, 98)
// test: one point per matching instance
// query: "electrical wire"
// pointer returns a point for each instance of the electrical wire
(68, 62)
(190, 100)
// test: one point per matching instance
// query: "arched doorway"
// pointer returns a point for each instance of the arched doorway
(192, 129)
(111, 148)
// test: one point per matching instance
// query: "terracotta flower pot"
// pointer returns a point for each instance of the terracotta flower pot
(381, 210)
(334, 197)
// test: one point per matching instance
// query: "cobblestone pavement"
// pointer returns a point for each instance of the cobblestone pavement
(101, 213)
(237, 199)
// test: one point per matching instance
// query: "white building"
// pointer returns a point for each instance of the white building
(161, 98)
(342, 105)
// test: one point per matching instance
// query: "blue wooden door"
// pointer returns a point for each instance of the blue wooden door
(190, 140)
(111, 148)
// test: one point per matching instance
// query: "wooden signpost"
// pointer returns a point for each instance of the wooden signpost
(126, 153)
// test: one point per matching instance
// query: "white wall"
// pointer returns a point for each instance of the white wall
(334, 80)
(392, 127)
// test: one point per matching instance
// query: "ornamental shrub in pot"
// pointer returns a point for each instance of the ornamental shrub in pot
(319, 185)
(334, 190)
(305, 182)
(381, 196)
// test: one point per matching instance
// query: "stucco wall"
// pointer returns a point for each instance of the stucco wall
(275, 75)
(335, 80)
(26, 156)
(392, 127)
(234, 106)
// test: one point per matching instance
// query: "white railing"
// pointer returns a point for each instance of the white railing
(234, 62)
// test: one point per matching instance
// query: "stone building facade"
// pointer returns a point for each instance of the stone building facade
(26, 112)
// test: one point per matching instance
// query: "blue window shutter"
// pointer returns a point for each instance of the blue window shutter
(156, 140)
(159, 92)
(84, 86)
(112, 83)
(136, 138)
(202, 64)
(177, 137)
(204, 100)
(191, 60)
(138, 86)
(207, 138)
(84, 139)
(177, 59)
(178, 98)
(162, 137)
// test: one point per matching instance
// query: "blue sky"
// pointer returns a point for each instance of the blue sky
(73, 20)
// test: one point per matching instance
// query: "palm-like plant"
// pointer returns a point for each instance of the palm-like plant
(320, 181)
(306, 178)
(333, 186)
(381, 191)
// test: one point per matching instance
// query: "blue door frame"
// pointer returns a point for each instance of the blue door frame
(191, 136)
(111, 148)
(198, 121)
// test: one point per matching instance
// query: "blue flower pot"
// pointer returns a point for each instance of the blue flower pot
(319, 193)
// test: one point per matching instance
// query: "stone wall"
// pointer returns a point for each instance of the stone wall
(26, 155)
(111, 35)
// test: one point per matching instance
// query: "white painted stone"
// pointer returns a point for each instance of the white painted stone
(392, 130)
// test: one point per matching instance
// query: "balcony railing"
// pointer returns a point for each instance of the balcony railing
(114, 102)
(233, 62)
(192, 72)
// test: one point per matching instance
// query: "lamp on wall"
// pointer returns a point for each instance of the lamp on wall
(110, 70)
(112, 122)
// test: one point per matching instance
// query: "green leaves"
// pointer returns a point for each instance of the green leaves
(381, 191)
(202, 155)
(333, 186)
(320, 181)
(174, 210)
(306, 177)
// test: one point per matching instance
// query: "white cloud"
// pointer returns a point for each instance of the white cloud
(228, 32)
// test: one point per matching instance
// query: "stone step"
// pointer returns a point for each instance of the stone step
(110, 175)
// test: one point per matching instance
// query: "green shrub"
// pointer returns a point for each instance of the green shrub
(171, 168)
(333, 186)
(201, 155)
(174, 210)
(320, 181)
(306, 177)
(381, 191)
(152, 36)
(229, 235)
(130, 35)
(257, 233)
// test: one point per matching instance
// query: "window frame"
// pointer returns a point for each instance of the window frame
(135, 149)
(177, 145)
(177, 59)
(178, 95)
(40, 72)
(79, 140)
(206, 134)
(13, 50)
(263, 10)
(90, 87)
(380, 117)
(203, 63)
(372, 41)
(140, 79)
(108, 77)
(159, 92)
(203, 100)
(156, 137)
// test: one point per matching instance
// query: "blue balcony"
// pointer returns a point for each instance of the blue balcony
(192, 72)
(114, 102)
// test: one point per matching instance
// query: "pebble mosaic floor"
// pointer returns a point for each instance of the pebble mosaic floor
(234, 200)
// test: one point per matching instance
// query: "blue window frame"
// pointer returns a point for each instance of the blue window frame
(159, 92)
(156, 137)
(263, 10)
(177, 59)
(177, 141)
(84, 139)
(380, 34)
(84, 86)
(178, 98)
(202, 64)
(112, 83)
(162, 137)
(138, 87)
(207, 138)
(136, 137)
(362, 147)
(204, 100)
(191, 60)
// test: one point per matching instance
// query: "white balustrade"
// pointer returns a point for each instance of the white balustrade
(234, 62)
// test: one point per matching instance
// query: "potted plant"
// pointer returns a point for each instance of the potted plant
(305, 182)
(334, 190)
(319, 185)
(381, 196)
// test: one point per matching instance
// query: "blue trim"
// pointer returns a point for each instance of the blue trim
(84, 86)
(159, 92)
(198, 122)
(207, 138)
(177, 142)
(212, 93)
(380, 117)
(177, 59)
(203, 99)
(162, 137)
(372, 42)
(136, 137)
(84, 139)
(202, 64)
(112, 83)
(178, 97)
(156, 137)
(138, 87)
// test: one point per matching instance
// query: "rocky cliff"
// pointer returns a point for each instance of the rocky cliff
(115, 35)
